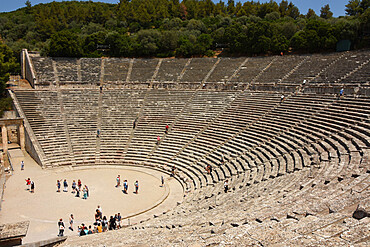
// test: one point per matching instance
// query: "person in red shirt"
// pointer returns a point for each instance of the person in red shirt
(167, 127)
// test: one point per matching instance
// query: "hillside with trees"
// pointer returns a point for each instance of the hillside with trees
(163, 28)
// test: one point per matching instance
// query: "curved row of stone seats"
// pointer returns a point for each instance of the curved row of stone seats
(280, 67)
(225, 69)
(197, 69)
(171, 69)
(360, 75)
(249, 215)
(311, 67)
(230, 123)
(350, 67)
(143, 69)
(116, 69)
(195, 116)
(119, 110)
(90, 70)
(328, 149)
(161, 108)
(206, 140)
(43, 112)
(203, 108)
(343, 67)
(44, 70)
(252, 68)
(81, 113)
(67, 70)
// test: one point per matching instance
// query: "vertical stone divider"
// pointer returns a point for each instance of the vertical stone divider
(63, 115)
(156, 71)
(294, 69)
(144, 101)
(237, 70)
(353, 71)
(65, 126)
(184, 69)
(210, 71)
(79, 75)
(99, 113)
(131, 64)
(56, 75)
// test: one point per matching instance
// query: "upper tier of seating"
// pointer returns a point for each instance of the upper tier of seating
(332, 68)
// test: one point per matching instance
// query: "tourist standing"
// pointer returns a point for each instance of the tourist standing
(22, 165)
(136, 184)
(74, 186)
(112, 223)
(162, 181)
(125, 187)
(226, 185)
(58, 186)
(28, 183)
(85, 193)
(32, 187)
(79, 184)
(65, 184)
(61, 228)
(118, 180)
(119, 218)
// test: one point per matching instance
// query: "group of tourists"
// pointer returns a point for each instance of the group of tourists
(30, 185)
(101, 224)
(125, 185)
(76, 188)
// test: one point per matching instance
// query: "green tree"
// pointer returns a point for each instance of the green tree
(7, 65)
(65, 44)
(357, 7)
(325, 12)
(310, 14)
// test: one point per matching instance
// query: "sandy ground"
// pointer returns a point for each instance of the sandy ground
(46, 206)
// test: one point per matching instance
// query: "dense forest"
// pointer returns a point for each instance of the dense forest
(163, 28)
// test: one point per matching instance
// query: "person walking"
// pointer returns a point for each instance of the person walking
(22, 165)
(167, 127)
(71, 220)
(158, 140)
(136, 184)
(162, 181)
(134, 124)
(87, 191)
(61, 228)
(58, 186)
(118, 180)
